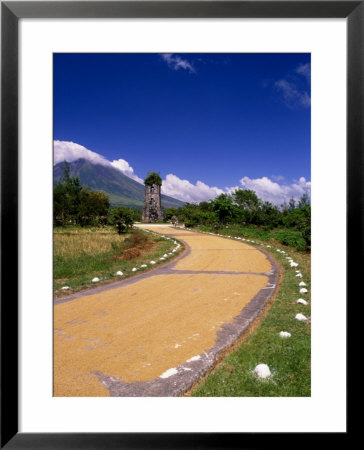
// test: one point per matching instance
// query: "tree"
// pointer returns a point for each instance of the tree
(269, 215)
(121, 218)
(223, 207)
(60, 205)
(300, 218)
(94, 207)
(304, 200)
(135, 214)
(169, 213)
(246, 199)
(291, 205)
(78, 205)
(304, 225)
(248, 204)
(205, 206)
(66, 197)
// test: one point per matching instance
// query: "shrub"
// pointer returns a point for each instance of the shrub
(291, 238)
(138, 238)
(121, 218)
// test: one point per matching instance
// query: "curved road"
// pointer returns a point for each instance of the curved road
(155, 334)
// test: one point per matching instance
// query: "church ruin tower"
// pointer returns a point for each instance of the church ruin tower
(152, 211)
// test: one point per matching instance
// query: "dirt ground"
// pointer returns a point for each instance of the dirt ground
(139, 331)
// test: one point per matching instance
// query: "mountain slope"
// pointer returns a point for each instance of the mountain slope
(121, 189)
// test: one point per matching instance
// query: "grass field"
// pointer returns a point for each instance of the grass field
(288, 359)
(81, 254)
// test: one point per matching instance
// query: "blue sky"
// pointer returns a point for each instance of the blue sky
(207, 123)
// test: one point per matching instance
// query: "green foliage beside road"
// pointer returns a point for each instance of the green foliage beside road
(243, 213)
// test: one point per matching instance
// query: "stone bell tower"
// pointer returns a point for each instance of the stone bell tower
(152, 211)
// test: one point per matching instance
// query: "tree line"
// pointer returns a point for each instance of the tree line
(244, 208)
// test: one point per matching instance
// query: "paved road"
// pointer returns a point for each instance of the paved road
(153, 335)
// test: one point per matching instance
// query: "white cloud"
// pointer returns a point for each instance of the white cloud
(70, 151)
(305, 70)
(127, 170)
(296, 92)
(188, 192)
(273, 192)
(277, 178)
(293, 97)
(175, 62)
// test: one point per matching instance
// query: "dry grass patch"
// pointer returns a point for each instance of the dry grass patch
(85, 241)
(81, 254)
(130, 253)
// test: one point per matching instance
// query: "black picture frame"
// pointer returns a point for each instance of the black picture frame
(11, 12)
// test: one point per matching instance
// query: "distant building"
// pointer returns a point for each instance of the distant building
(152, 211)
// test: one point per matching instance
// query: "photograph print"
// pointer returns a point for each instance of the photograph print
(182, 224)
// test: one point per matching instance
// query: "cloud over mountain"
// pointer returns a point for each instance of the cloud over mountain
(126, 168)
(70, 151)
(182, 189)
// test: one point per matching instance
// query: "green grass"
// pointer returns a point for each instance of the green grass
(284, 236)
(80, 254)
(288, 359)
